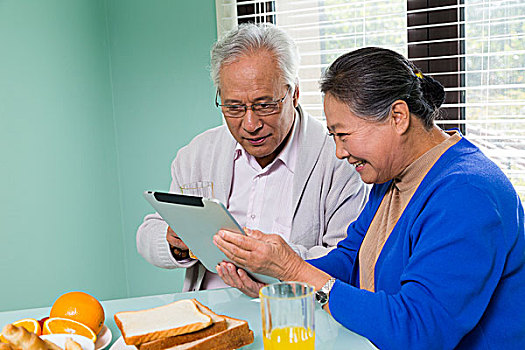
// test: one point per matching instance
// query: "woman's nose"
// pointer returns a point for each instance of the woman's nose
(340, 151)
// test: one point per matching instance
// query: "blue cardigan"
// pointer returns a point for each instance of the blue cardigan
(452, 272)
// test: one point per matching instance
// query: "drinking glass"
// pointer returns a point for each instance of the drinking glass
(287, 312)
(198, 188)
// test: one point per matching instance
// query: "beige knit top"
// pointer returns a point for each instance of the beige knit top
(391, 208)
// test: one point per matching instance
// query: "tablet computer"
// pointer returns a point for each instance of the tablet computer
(196, 220)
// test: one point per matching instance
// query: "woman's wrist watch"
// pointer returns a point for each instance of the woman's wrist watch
(323, 294)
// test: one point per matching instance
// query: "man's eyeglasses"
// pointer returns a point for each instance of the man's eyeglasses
(261, 109)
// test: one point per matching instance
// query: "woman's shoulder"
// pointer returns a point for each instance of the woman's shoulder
(464, 170)
(466, 164)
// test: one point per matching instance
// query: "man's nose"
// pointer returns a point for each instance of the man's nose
(251, 122)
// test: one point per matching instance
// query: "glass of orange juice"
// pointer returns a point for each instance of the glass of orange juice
(287, 312)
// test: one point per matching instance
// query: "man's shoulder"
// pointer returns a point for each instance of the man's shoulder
(207, 143)
(327, 161)
(314, 126)
(316, 134)
(217, 134)
(210, 137)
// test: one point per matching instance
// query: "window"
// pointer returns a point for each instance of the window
(435, 46)
(475, 48)
(495, 83)
(323, 30)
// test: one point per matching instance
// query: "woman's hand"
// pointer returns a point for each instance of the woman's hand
(257, 252)
(238, 278)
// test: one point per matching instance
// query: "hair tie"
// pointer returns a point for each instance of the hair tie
(419, 75)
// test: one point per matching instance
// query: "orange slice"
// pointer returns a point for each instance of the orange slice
(59, 325)
(30, 324)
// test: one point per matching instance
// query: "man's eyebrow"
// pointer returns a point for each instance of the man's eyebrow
(256, 100)
(230, 101)
(264, 98)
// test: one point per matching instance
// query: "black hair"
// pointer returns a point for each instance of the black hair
(370, 79)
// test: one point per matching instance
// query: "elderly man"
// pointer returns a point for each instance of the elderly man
(272, 165)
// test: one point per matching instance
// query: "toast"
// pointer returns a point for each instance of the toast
(176, 318)
(236, 335)
(219, 325)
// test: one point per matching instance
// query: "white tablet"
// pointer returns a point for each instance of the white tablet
(196, 220)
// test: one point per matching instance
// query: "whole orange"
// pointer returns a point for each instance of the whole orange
(81, 307)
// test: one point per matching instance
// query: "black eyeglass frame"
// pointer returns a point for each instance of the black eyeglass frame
(252, 106)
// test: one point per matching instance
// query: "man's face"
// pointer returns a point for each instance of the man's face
(255, 78)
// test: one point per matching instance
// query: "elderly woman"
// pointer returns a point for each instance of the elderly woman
(436, 260)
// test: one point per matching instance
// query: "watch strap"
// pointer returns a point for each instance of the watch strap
(322, 295)
(328, 285)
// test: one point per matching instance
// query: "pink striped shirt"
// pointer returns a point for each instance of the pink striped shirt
(261, 198)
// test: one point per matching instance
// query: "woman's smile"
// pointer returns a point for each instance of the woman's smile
(359, 165)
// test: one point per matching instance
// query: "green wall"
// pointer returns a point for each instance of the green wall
(163, 97)
(96, 96)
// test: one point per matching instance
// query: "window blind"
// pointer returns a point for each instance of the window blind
(323, 30)
(490, 66)
(476, 48)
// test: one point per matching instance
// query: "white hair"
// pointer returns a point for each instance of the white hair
(250, 38)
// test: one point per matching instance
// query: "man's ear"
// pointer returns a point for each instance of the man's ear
(400, 116)
(296, 95)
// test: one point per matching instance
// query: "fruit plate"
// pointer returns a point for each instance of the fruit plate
(103, 338)
(60, 340)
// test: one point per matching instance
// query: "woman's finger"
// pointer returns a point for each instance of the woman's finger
(242, 241)
(232, 251)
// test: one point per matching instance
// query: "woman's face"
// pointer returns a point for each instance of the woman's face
(371, 147)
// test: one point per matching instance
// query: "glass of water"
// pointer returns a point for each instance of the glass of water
(198, 188)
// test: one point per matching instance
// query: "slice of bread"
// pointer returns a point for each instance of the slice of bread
(179, 317)
(219, 325)
(237, 335)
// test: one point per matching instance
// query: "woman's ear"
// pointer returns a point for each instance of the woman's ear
(400, 116)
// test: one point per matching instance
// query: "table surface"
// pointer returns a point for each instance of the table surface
(230, 302)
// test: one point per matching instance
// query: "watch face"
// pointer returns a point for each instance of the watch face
(321, 297)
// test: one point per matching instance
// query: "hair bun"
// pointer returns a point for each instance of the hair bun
(433, 91)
